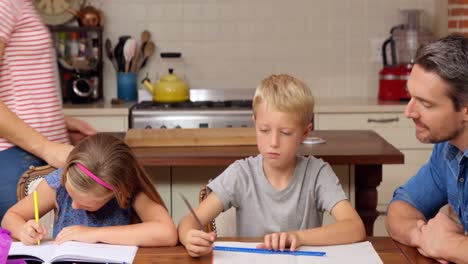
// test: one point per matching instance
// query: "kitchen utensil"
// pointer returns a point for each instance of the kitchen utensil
(169, 89)
(129, 52)
(110, 54)
(118, 53)
(149, 50)
(145, 38)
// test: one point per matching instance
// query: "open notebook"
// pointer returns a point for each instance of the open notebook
(48, 252)
(363, 253)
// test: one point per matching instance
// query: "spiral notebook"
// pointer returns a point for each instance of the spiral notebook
(48, 252)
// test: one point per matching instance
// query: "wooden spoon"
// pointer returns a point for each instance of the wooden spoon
(144, 38)
(150, 48)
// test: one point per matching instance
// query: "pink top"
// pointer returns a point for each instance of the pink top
(28, 82)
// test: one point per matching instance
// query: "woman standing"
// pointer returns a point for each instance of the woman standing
(33, 129)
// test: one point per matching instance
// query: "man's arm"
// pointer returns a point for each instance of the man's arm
(402, 222)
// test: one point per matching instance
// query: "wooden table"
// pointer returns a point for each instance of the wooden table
(364, 150)
(389, 251)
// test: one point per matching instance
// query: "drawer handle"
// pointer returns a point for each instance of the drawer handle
(383, 120)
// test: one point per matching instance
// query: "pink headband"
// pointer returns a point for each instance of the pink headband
(94, 177)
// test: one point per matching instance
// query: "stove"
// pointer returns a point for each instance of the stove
(206, 111)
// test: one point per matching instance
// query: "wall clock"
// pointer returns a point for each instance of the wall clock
(56, 12)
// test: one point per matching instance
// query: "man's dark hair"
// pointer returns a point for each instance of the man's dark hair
(448, 58)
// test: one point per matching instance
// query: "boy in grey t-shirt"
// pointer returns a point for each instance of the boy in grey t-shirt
(278, 195)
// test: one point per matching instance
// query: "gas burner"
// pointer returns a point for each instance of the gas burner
(234, 104)
(240, 103)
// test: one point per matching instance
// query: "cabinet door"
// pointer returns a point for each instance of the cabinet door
(394, 127)
(161, 178)
(106, 123)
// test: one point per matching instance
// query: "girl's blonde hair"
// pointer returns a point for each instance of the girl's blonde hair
(286, 94)
(110, 159)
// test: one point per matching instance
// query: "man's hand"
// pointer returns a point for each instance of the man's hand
(78, 129)
(435, 235)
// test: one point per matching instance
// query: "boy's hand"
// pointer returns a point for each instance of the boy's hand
(199, 243)
(280, 241)
(77, 233)
(32, 232)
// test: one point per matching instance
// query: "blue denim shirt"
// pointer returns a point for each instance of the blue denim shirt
(438, 182)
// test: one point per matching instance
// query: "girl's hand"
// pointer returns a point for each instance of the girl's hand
(77, 233)
(32, 232)
(199, 243)
(280, 241)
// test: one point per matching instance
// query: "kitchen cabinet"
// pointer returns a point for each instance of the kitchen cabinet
(103, 117)
(398, 131)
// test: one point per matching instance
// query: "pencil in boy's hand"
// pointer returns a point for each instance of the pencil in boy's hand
(36, 213)
(191, 211)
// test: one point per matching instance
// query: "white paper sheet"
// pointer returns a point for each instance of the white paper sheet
(363, 253)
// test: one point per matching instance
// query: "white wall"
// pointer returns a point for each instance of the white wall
(233, 44)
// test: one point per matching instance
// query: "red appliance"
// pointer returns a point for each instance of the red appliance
(403, 42)
(392, 83)
(393, 77)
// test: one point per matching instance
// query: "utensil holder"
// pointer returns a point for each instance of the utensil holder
(127, 86)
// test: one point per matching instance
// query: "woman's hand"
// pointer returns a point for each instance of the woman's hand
(199, 243)
(78, 129)
(32, 232)
(280, 241)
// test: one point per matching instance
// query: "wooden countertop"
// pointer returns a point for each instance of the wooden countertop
(341, 147)
(322, 105)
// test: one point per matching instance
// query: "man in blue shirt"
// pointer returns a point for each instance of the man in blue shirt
(438, 85)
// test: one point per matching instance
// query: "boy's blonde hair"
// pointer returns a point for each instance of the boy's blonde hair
(286, 94)
(110, 159)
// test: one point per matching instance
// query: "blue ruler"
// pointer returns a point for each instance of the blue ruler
(271, 251)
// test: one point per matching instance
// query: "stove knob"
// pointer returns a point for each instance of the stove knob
(178, 126)
(163, 127)
(148, 127)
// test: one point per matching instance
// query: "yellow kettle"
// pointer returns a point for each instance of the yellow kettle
(169, 89)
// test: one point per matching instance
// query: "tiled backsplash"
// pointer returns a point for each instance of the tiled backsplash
(233, 44)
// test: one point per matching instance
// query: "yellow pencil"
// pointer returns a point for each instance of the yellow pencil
(36, 213)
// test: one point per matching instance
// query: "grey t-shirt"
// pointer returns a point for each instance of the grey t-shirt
(261, 209)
